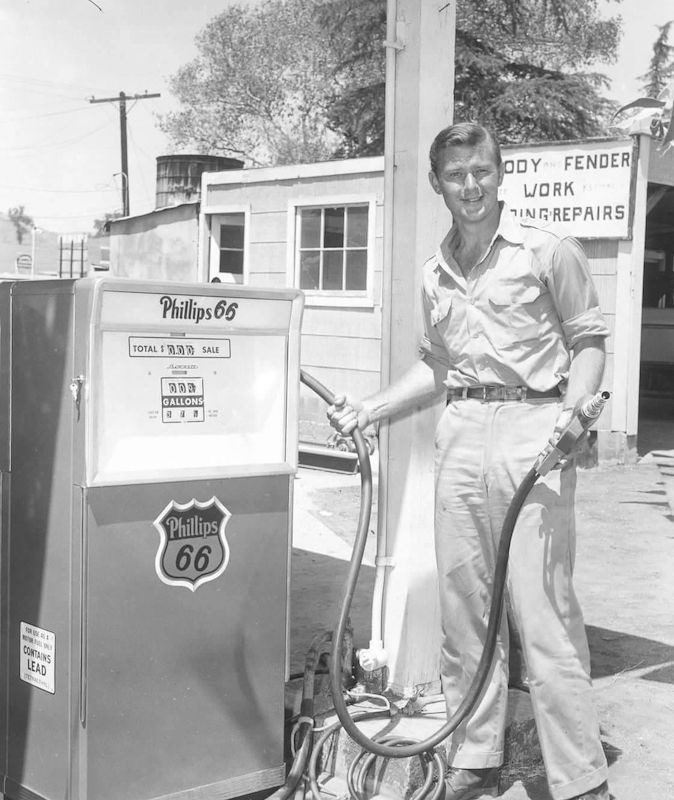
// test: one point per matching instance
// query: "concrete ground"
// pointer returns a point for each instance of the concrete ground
(625, 580)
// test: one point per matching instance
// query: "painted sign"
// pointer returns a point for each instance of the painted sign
(24, 262)
(196, 312)
(160, 347)
(182, 400)
(36, 660)
(585, 186)
(192, 548)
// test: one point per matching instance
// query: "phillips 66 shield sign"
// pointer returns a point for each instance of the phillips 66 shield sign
(192, 548)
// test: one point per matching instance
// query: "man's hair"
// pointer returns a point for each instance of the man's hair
(463, 133)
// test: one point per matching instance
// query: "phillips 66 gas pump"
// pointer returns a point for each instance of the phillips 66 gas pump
(153, 447)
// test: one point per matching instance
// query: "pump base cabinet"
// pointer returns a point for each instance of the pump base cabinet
(152, 452)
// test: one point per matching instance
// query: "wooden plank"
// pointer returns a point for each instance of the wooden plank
(359, 323)
(276, 195)
(606, 289)
(341, 352)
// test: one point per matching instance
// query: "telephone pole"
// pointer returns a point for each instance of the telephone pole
(121, 99)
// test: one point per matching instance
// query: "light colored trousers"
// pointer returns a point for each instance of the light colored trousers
(483, 451)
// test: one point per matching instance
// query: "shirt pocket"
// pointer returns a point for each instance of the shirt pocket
(517, 309)
(440, 311)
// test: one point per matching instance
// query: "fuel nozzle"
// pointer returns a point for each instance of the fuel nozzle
(583, 416)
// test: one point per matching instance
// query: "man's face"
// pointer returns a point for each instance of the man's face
(468, 179)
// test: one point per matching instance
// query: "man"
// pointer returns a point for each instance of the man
(515, 339)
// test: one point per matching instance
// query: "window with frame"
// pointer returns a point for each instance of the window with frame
(230, 238)
(332, 248)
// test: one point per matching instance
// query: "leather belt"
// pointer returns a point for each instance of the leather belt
(490, 394)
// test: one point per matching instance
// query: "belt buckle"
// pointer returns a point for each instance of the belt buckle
(484, 389)
(512, 393)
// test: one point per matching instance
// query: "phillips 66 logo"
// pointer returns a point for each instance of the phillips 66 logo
(192, 548)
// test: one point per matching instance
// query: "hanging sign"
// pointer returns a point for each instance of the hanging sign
(584, 186)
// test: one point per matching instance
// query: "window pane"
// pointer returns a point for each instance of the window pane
(231, 232)
(332, 270)
(356, 229)
(334, 227)
(231, 261)
(356, 270)
(309, 270)
(311, 227)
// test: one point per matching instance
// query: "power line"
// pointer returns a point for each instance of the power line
(52, 145)
(59, 191)
(41, 82)
(14, 120)
(121, 99)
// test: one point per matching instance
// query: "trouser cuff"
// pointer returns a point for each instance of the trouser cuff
(475, 760)
(580, 785)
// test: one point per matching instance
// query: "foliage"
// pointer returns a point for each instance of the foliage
(522, 67)
(658, 105)
(100, 227)
(257, 89)
(357, 30)
(23, 224)
(303, 80)
(661, 68)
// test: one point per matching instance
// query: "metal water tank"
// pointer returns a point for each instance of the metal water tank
(179, 176)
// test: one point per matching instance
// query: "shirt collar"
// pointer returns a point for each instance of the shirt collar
(509, 229)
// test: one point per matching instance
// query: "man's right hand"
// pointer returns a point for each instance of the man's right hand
(345, 414)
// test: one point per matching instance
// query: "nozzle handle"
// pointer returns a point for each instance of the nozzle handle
(592, 408)
(583, 416)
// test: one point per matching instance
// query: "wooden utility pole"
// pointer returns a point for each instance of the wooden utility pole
(121, 99)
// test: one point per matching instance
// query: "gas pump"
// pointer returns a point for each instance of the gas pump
(153, 446)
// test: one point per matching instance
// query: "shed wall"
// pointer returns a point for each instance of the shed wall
(341, 345)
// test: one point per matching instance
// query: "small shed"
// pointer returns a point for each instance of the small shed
(162, 245)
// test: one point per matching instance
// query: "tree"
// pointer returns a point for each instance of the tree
(300, 80)
(658, 104)
(522, 67)
(21, 221)
(356, 105)
(257, 89)
(101, 227)
(661, 68)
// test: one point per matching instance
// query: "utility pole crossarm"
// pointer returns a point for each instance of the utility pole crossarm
(121, 95)
(121, 99)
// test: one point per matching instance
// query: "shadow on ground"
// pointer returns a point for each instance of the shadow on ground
(316, 593)
(614, 653)
(656, 425)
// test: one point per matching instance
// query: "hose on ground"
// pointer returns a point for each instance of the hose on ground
(405, 748)
(320, 645)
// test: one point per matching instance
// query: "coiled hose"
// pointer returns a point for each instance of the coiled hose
(405, 748)
(396, 747)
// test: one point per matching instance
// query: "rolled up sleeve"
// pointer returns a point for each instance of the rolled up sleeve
(432, 349)
(574, 294)
(588, 323)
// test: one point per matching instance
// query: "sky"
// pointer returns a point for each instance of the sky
(60, 154)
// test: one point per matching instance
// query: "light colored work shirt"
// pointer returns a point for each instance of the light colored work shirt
(514, 320)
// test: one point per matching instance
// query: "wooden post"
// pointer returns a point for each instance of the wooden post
(420, 81)
(621, 443)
